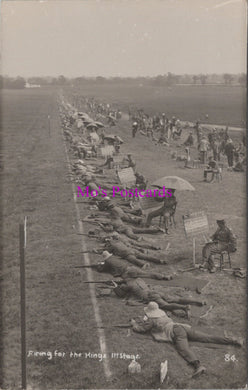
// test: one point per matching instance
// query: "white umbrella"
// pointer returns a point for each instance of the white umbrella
(173, 182)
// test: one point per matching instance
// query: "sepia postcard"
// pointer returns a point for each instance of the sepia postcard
(123, 183)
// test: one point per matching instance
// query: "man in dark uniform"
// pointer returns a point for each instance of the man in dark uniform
(131, 162)
(197, 130)
(136, 288)
(134, 128)
(128, 252)
(119, 267)
(117, 212)
(141, 183)
(222, 240)
(190, 140)
(163, 329)
(229, 151)
(166, 211)
(109, 225)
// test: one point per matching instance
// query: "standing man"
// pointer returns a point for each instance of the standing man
(190, 140)
(197, 130)
(134, 128)
(216, 150)
(229, 151)
(203, 149)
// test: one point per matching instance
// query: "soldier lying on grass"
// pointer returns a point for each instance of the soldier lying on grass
(164, 329)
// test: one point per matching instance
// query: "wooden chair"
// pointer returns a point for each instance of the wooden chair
(196, 163)
(166, 221)
(217, 175)
(224, 257)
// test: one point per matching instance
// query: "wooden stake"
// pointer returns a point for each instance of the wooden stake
(22, 241)
(194, 251)
(49, 126)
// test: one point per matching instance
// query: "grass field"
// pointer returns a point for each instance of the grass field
(225, 105)
(36, 183)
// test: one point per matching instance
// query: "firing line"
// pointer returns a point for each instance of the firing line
(89, 273)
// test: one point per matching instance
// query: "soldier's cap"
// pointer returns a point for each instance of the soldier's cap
(100, 264)
(220, 220)
(107, 198)
(129, 273)
(106, 255)
(153, 311)
(88, 177)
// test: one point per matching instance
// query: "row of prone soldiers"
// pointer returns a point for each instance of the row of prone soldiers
(126, 256)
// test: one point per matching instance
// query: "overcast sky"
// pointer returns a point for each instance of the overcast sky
(122, 37)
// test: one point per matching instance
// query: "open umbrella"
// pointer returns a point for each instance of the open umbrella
(83, 115)
(91, 125)
(99, 124)
(119, 139)
(173, 182)
(87, 121)
(113, 137)
(110, 137)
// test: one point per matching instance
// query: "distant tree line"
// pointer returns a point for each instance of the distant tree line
(12, 83)
(168, 80)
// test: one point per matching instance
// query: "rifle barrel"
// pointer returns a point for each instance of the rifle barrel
(115, 326)
(85, 266)
(99, 281)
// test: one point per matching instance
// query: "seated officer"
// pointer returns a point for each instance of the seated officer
(222, 240)
(167, 210)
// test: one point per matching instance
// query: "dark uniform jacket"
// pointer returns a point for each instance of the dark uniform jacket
(224, 234)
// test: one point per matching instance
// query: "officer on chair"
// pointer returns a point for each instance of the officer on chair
(222, 240)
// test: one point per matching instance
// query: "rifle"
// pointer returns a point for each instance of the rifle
(115, 326)
(85, 266)
(110, 283)
(137, 319)
(85, 234)
(94, 222)
(90, 235)
(92, 251)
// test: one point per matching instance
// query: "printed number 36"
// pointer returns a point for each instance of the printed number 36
(229, 358)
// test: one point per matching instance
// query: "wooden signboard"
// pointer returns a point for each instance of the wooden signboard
(149, 203)
(195, 224)
(118, 159)
(126, 177)
(107, 151)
